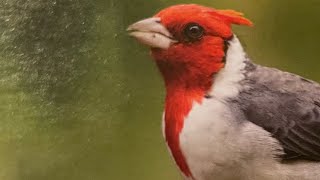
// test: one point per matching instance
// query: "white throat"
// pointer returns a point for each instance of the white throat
(226, 82)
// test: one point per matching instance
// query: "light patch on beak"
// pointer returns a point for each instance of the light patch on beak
(152, 33)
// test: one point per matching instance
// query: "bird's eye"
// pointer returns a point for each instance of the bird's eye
(193, 32)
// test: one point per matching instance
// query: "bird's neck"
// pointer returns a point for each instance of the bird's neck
(178, 103)
(184, 88)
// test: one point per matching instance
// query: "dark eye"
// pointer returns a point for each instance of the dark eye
(193, 32)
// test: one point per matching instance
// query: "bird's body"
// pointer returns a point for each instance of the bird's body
(225, 117)
(220, 139)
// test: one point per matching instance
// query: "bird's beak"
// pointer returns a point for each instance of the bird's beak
(152, 33)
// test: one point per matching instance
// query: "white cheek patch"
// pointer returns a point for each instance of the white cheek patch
(153, 39)
(226, 82)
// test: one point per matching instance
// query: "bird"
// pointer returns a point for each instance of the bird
(225, 117)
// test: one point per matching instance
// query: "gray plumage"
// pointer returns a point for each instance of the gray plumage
(287, 106)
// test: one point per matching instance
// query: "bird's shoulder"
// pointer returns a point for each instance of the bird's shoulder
(287, 106)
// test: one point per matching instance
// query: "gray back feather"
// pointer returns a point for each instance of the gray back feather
(287, 106)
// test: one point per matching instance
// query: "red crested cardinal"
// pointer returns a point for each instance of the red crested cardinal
(226, 118)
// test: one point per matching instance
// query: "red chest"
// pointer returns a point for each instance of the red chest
(177, 107)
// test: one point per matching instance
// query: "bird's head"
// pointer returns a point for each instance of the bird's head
(188, 42)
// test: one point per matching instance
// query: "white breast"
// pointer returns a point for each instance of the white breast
(206, 139)
(219, 145)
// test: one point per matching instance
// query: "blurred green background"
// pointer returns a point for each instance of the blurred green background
(80, 100)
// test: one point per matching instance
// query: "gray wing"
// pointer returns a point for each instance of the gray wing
(286, 105)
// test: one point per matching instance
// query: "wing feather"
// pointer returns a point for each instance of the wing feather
(287, 106)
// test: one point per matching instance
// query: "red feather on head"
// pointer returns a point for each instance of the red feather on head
(218, 22)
